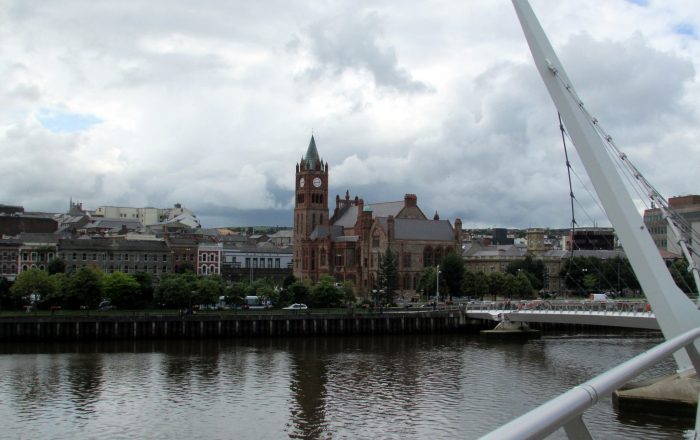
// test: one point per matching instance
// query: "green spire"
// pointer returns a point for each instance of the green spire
(311, 156)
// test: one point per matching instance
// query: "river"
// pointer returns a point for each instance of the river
(408, 387)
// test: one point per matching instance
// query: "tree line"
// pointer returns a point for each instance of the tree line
(88, 286)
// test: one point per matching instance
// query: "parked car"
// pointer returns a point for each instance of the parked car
(296, 306)
(105, 306)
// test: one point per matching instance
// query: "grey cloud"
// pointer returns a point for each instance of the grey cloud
(352, 41)
(624, 80)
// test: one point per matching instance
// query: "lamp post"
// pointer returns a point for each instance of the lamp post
(437, 284)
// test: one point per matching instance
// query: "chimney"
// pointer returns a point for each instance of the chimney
(458, 230)
(410, 201)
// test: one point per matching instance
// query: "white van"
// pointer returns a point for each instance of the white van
(598, 297)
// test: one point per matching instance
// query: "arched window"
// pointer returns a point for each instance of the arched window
(212, 269)
(438, 255)
(203, 269)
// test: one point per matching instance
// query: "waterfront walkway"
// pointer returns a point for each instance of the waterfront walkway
(623, 314)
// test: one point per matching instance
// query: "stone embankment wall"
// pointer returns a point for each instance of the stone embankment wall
(213, 326)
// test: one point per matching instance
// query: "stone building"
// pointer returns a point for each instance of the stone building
(349, 244)
(686, 208)
(116, 255)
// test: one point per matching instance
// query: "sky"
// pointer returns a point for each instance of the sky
(212, 103)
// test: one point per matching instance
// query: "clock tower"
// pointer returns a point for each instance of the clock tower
(310, 210)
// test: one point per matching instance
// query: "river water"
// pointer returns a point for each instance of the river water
(408, 387)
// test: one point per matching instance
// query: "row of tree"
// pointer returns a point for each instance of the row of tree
(87, 287)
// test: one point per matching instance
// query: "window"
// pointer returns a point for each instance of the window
(205, 257)
(126, 257)
(277, 263)
(84, 257)
(165, 258)
(212, 269)
(406, 259)
(269, 263)
(34, 257)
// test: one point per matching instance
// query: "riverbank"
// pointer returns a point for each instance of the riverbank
(228, 325)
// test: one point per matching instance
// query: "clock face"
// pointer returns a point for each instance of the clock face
(301, 182)
(317, 182)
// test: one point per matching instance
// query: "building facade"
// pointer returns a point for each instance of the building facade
(685, 207)
(349, 244)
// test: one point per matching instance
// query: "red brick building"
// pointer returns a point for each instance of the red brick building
(348, 244)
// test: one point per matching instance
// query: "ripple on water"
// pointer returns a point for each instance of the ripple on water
(413, 387)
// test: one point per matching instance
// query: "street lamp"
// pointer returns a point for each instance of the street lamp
(437, 284)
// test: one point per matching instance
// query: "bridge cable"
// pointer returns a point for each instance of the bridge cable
(680, 227)
(601, 276)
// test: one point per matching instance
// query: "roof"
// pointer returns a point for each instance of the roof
(311, 156)
(113, 223)
(105, 244)
(347, 217)
(38, 237)
(598, 253)
(332, 231)
(385, 209)
(419, 229)
(283, 233)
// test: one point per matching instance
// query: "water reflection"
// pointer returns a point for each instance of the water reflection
(421, 386)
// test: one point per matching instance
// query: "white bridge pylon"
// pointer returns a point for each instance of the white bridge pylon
(675, 312)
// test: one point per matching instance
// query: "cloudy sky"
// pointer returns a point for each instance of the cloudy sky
(211, 103)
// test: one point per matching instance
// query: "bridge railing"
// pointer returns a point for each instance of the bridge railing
(567, 409)
(562, 306)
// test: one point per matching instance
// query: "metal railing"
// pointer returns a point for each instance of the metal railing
(561, 306)
(567, 409)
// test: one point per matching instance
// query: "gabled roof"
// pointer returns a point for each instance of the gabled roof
(418, 229)
(385, 209)
(332, 231)
(347, 217)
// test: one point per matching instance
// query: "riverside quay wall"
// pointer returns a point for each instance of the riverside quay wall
(229, 325)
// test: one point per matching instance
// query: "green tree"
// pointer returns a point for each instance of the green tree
(682, 276)
(145, 280)
(235, 293)
(452, 268)
(5, 297)
(522, 287)
(121, 289)
(264, 288)
(348, 290)
(325, 293)
(209, 289)
(32, 285)
(497, 284)
(56, 265)
(84, 288)
(533, 269)
(387, 277)
(176, 290)
(300, 292)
